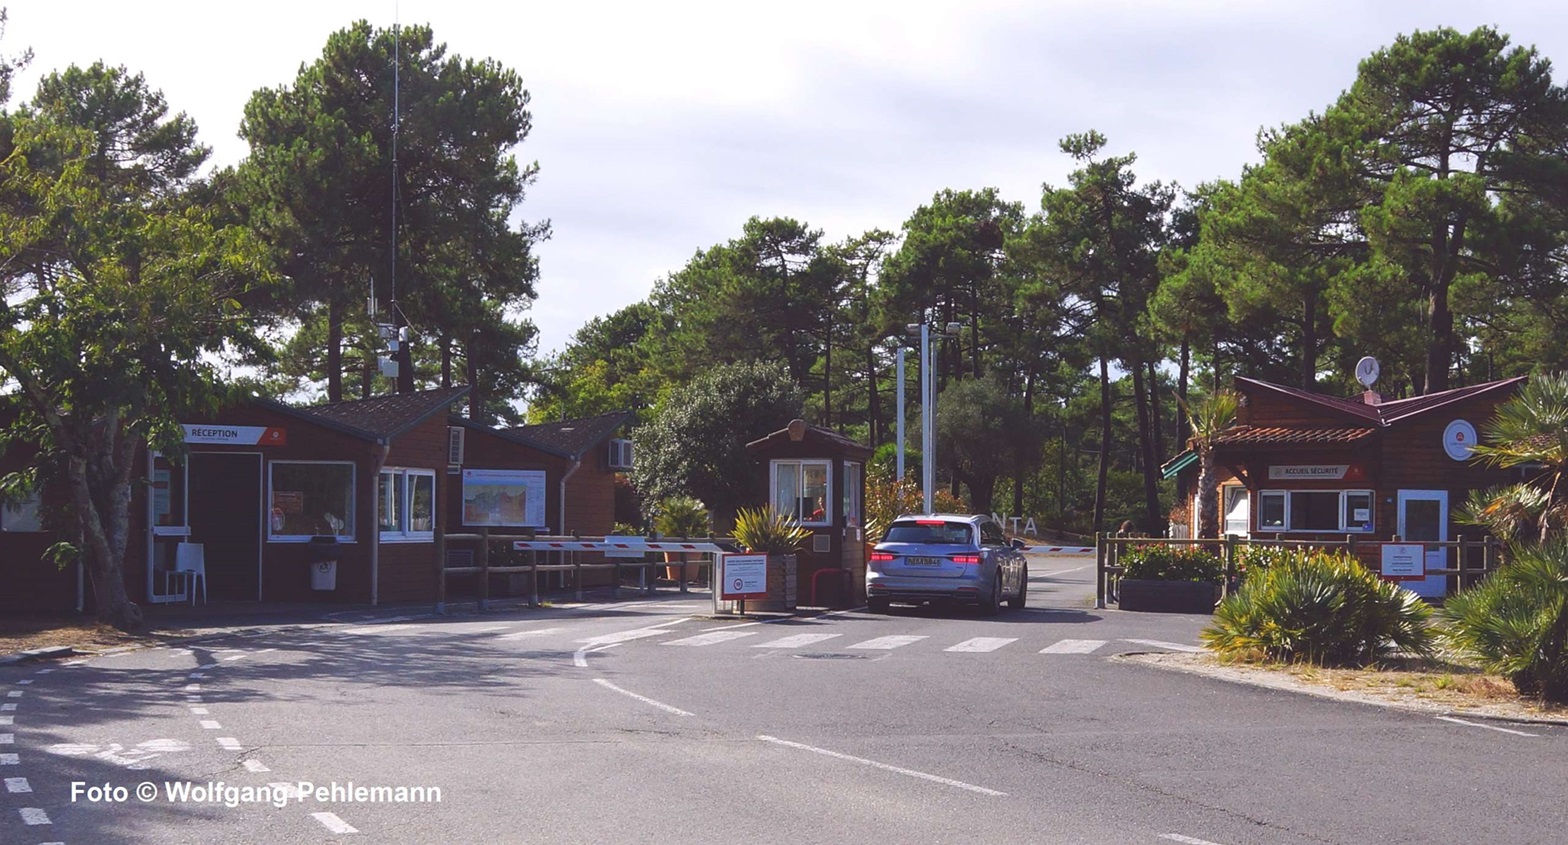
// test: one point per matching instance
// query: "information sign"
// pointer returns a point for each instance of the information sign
(1404, 561)
(743, 577)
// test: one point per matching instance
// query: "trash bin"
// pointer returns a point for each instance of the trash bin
(323, 557)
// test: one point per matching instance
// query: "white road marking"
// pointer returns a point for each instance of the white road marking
(644, 699)
(10, 760)
(7, 720)
(210, 725)
(44, 671)
(24, 682)
(72, 749)
(488, 629)
(520, 634)
(7, 739)
(1189, 649)
(796, 641)
(255, 766)
(633, 634)
(228, 743)
(1488, 727)
(17, 785)
(883, 766)
(334, 824)
(198, 711)
(1072, 647)
(193, 699)
(74, 663)
(34, 816)
(196, 676)
(16, 693)
(884, 643)
(193, 687)
(266, 651)
(710, 639)
(8, 707)
(377, 629)
(1186, 840)
(235, 657)
(580, 659)
(982, 644)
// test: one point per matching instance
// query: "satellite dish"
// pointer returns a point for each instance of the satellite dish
(1367, 370)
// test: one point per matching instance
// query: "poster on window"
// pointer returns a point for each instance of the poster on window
(512, 498)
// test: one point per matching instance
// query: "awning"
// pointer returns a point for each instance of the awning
(1178, 463)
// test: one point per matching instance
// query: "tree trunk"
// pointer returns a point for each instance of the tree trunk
(334, 351)
(1309, 340)
(1183, 427)
(1151, 470)
(1105, 446)
(1154, 415)
(827, 373)
(471, 372)
(446, 362)
(1441, 330)
(98, 474)
(873, 406)
(1208, 495)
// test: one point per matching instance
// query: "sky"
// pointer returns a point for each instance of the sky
(660, 128)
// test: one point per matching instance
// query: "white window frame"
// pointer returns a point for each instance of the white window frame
(851, 492)
(23, 516)
(404, 532)
(353, 503)
(1340, 512)
(1225, 527)
(798, 467)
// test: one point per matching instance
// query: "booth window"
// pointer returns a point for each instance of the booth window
(800, 490)
(21, 515)
(1237, 518)
(407, 504)
(310, 498)
(851, 494)
(1315, 510)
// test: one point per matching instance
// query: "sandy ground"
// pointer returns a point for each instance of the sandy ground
(1448, 689)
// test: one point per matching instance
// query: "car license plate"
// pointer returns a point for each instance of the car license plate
(924, 561)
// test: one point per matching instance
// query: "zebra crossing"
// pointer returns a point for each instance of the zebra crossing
(755, 638)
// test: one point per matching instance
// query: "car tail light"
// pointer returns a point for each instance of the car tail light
(975, 559)
(930, 522)
(881, 557)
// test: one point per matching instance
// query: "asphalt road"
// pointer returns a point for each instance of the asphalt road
(646, 722)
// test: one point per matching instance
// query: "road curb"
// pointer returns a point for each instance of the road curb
(36, 654)
(1263, 679)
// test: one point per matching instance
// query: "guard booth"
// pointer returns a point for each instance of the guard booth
(817, 476)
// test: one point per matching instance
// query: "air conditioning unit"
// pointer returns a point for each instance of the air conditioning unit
(454, 445)
(620, 454)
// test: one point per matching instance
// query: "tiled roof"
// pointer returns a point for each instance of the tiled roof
(1251, 435)
(505, 434)
(850, 446)
(572, 437)
(1385, 413)
(383, 418)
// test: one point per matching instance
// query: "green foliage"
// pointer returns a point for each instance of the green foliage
(1530, 430)
(763, 531)
(1170, 563)
(1323, 608)
(1515, 622)
(681, 516)
(983, 431)
(889, 497)
(1256, 559)
(695, 442)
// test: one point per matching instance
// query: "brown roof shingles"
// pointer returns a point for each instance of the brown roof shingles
(1251, 435)
(385, 417)
(572, 437)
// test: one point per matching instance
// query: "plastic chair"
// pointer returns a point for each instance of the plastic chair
(190, 559)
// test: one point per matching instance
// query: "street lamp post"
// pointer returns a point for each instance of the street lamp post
(928, 406)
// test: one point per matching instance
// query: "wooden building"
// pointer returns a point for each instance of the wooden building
(1304, 465)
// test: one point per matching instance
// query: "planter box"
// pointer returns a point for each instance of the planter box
(1168, 596)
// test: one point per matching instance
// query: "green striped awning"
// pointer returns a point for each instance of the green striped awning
(1178, 463)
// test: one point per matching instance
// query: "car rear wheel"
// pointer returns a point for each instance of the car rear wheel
(992, 603)
(1017, 602)
(878, 605)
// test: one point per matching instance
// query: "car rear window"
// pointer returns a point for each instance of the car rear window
(944, 533)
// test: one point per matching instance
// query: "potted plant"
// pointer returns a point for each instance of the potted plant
(761, 531)
(1169, 579)
(680, 516)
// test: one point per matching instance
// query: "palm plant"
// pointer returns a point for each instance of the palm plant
(762, 530)
(1515, 623)
(1531, 430)
(1209, 416)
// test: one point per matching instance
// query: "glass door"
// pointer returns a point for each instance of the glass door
(168, 518)
(1423, 518)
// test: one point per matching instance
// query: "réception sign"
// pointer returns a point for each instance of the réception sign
(1308, 472)
(743, 577)
(236, 435)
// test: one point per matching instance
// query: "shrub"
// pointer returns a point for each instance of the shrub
(888, 498)
(1320, 607)
(1170, 563)
(681, 516)
(1515, 623)
(763, 531)
(1255, 559)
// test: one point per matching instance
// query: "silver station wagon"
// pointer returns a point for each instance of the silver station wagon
(943, 557)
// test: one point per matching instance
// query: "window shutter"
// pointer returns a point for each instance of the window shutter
(454, 448)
